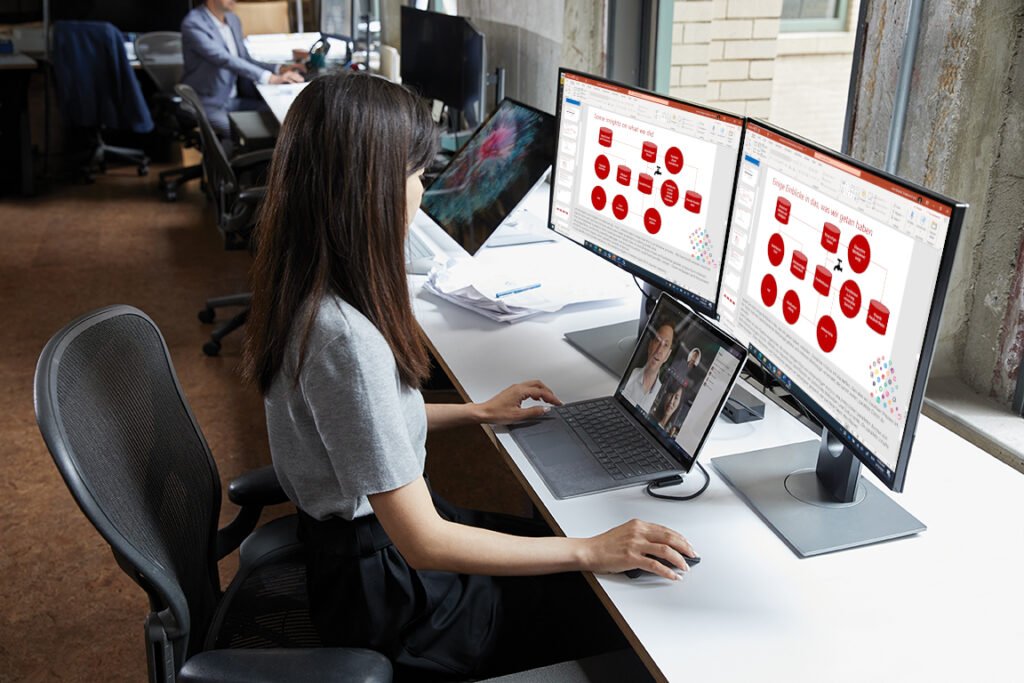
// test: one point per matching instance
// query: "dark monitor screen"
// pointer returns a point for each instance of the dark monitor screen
(443, 59)
(127, 15)
(492, 173)
(835, 275)
(646, 182)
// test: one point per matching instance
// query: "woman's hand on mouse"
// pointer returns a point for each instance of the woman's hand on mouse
(628, 546)
(506, 407)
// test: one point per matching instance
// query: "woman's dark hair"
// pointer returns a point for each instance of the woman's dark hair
(334, 220)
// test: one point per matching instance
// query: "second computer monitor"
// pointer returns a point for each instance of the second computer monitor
(645, 181)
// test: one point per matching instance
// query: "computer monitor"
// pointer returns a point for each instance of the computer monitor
(506, 157)
(835, 274)
(443, 59)
(644, 181)
(129, 16)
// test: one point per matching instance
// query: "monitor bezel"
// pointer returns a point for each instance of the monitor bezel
(691, 299)
(894, 479)
(466, 145)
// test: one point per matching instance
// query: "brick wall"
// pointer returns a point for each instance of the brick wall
(723, 53)
(729, 54)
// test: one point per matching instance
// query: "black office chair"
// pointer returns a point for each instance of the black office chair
(236, 204)
(117, 424)
(159, 53)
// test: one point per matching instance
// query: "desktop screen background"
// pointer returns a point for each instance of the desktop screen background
(491, 174)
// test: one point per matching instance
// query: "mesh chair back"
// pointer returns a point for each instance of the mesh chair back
(159, 53)
(220, 176)
(115, 420)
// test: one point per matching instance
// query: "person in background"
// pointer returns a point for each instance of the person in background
(644, 382)
(218, 66)
(334, 347)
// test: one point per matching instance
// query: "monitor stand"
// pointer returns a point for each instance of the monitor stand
(611, 345)
(813, 498)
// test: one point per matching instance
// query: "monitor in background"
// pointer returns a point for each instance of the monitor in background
(644, 181)
(835, 274)
(129, 16)
(506, 157)
(443, 59)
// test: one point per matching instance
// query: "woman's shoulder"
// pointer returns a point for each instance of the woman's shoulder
(340, 324)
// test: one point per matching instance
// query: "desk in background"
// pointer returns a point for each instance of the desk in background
(16, 167)
(944, 605)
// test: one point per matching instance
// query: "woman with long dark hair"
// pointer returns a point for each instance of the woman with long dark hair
(335, 350)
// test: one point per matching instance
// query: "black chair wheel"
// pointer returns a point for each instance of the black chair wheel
(211, 348)
(143, 169)
(170, 195)
(207, 315)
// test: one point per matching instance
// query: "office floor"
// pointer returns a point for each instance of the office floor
(67, 612)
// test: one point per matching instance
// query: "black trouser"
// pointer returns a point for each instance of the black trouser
(438, 625)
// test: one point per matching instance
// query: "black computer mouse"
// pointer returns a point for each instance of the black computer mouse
(635, 573)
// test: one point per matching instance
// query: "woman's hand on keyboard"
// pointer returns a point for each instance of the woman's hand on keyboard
(506, 407)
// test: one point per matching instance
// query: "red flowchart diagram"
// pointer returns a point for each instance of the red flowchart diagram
(649, 178)
(834, 276)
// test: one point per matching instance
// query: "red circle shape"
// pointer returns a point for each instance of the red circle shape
(598, 198)
(602, 167)
(827, 333)
(791, 307)
(776, 249)
(652, 221)
(669, 193)
(860, 253)
(849, 298)
(620, 207)
(769, 290)
(674, 160)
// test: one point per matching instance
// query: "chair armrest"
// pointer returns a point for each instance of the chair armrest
(251, 492)
(257, 487)
(252, 195)
(327, 664)
(244, 161)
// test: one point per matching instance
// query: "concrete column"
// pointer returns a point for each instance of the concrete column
(964, 138)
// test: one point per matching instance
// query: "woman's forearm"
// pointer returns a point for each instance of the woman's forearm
(447, 415)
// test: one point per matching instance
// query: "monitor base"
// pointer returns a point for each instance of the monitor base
(610, 345)
(780, 485)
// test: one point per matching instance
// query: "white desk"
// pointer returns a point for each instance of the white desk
(280, 97)
(947, 604)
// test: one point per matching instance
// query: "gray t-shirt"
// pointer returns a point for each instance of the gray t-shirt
(351, 427)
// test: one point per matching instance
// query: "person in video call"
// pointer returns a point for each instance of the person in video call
(218, 66)
(644, 383)
(334, 347)
(668, 407)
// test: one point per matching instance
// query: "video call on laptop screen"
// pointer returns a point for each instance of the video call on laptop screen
(492, 173)
(679, 377)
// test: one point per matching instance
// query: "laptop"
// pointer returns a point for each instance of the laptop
(678, 378)
(485, 183)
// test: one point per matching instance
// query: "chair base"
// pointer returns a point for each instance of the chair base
(209, 314)
(174, 178)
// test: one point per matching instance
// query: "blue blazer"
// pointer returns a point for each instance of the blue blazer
(209, 68)
(94, 81)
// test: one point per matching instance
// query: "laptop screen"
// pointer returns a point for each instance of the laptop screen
(492, 173)
(679, 377)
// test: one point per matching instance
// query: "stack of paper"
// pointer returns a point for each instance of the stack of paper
(506, 296)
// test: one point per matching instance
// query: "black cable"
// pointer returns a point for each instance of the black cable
(642, 291)
(658, 483)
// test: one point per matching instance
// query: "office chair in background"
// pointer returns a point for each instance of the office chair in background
(159, 53)
(113, 415)
(96, 91)
(236, 203)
